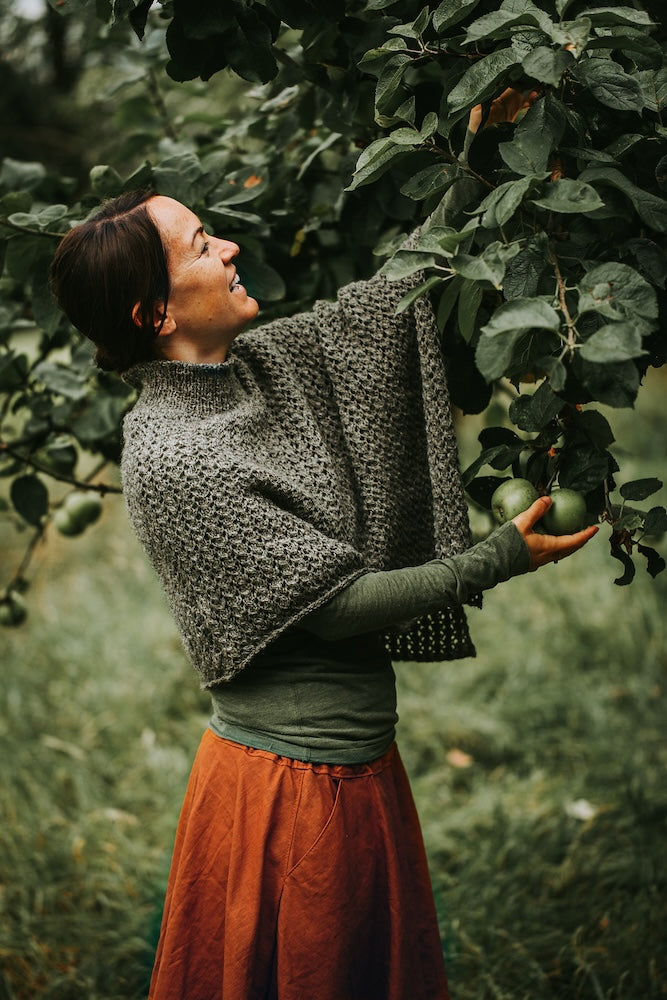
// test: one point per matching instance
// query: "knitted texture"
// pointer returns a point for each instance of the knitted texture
(322, 448)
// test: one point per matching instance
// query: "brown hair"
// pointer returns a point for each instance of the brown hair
(103, 268)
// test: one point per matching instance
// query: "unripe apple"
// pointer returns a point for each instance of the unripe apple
(83, 508)
(13, 609)
(66, 524)
(511, 498)
(567, 513)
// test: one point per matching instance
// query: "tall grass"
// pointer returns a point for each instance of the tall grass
(538, 769)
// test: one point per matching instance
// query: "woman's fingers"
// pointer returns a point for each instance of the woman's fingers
(548, 548)
(527, 520)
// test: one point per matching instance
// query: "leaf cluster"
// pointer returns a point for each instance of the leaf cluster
(527, 141)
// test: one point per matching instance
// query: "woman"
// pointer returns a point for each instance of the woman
(297, 491)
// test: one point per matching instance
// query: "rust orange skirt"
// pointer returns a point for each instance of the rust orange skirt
(295, 881)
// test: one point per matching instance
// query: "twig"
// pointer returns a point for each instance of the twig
(159, 102)
(101, 488)
(4, 221)
(571, 332)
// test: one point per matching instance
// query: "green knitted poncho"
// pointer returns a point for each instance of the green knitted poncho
(322, 448)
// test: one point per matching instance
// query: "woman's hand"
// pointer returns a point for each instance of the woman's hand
(547, 548)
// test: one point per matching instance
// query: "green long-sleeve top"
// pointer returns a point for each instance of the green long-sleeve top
(325, 690)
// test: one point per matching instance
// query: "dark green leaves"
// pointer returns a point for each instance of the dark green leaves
(614, 342)
(522, 314)
(499, 207)
(651, 209)
(640, 489)
(30, 498)
(481, 80)
(616, 291)
(610, 84)
(568, 196)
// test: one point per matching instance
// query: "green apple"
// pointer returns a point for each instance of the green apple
(511, 498)
(83, 508)
(66, 524)
(13, 609)
(567, 513)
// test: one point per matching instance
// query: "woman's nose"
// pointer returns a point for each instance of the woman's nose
(227, 250)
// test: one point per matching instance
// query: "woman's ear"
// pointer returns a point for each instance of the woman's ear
(163, 328)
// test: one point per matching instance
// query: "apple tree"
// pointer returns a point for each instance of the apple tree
(526, 139)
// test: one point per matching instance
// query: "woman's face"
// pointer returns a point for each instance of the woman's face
(207, 306)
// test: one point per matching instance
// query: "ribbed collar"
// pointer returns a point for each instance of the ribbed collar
(195, 389)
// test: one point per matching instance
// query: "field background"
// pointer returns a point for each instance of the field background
(538, 769)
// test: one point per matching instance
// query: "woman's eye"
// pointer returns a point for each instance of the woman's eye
(204, 249)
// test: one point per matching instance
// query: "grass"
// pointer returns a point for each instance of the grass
(538, 770)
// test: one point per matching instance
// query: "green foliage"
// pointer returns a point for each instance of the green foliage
(525, 138)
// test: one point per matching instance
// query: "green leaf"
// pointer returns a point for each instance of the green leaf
(640, 489)
(595, 427)
(105, 181)
(527, 154)
(416, 293)
(653, 85)
(614, 342)
(523, 274)
(450, 12)
(661, 173)
(573, 35)
(413, 136)
(522, 314)
(499, 206)
(656, 521)
(654, 562)
(443, 240)
(448, 301)
(481, 80)
(405, 263)
(615, 384)
(30, 498)
(617, 291)
(431, 180)
(260, 279)
(583, 468)
(619, 553)
(177, 177)
(13, 370)
(23, 253)
(62, 380)
(511, 13)
(374, 161)
(470, 299)
(651, 209)
(45, 309)
(413, 29)
(610, 84)
(499, 456)
(605, 16)
(240, 186)
(493, 355)
(390, 80)
(489, 266)
(100, 420)
(20, 175)
(544, 122)
(533, 412)
(248, 46)
(569, 196)
(547, 65)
